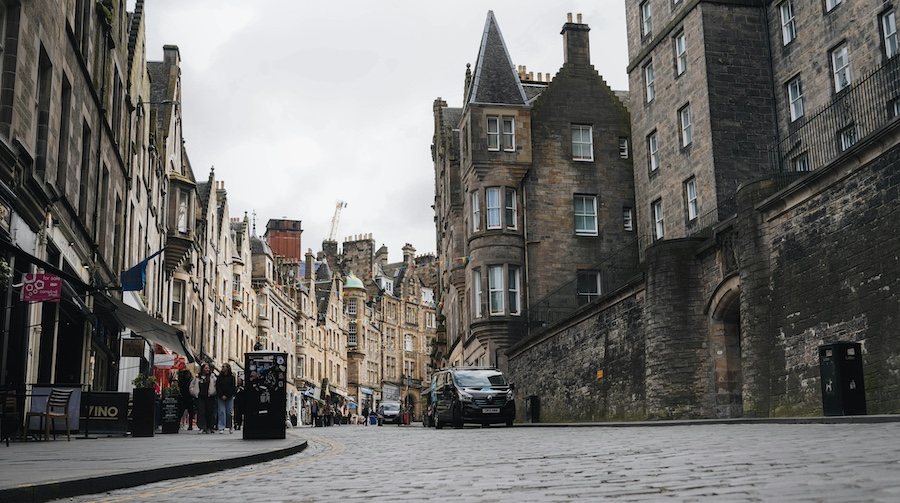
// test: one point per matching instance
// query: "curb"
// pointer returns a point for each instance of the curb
(875, 419)
(66, 489)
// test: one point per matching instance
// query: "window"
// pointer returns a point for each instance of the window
(795, 97)
(495, 290)
(511, 214)
(178, 302)
(680, 53)
(653, 152)
(476, 292)
(831, 4)
(657, 212)
(492, 203)
(582, 143)
(42, 110)
(627, 219)
(649, 83)
(646, 18)
(840, 63)
(408, 343)
(788, 25)
(690, 194)
(684, 116)
(588, 287)
(411, 315)
(509, 134)
(848, 137)
(183, 211)
(495, 135)
(512, 289)
(894, 108)
(351, 307)
(585, 215)
(623, 148)
(351, 334)
(889, 29)
(62, 156)
(801, 162)
(476, 211)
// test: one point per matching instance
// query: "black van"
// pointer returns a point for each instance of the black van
(478, 395)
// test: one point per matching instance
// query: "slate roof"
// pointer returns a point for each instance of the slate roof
(259, 246)
(496, 80)
(159, 86)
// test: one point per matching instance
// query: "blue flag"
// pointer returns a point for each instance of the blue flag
(136, 277)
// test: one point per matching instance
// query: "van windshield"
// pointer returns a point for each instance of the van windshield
(479, 378)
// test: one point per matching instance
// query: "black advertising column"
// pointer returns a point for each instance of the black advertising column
(265, 395)
(843, 390)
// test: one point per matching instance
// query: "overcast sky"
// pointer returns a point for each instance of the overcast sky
(299, 104)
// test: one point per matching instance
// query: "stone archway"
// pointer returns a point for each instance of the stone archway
(725, 348)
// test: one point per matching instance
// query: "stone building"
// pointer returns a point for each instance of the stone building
(243, 300)
(534, 197)
(392, 321)
(766, 139)
(71, 147)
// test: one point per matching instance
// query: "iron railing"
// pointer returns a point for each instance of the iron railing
(615, 271)
(856, 112)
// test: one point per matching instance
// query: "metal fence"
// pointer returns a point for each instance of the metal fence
(615, 271)
(856, 112)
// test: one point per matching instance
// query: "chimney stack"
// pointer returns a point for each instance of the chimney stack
(576, 42)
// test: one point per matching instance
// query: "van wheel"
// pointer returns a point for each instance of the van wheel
(457, 417)
(509, 422)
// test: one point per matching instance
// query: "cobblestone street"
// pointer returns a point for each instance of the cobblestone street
(764, 462)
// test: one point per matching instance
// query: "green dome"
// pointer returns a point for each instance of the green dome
(353, 282)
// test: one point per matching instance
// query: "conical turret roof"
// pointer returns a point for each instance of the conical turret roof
(495, 80)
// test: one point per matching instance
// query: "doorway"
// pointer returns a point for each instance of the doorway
(725, 348)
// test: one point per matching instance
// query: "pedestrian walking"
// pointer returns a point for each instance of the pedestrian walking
(293, 416)
(380, 415)
(314, 412)
(185, 400)
(225, 389)
(366, 415)
(238, 403)
(203, 388)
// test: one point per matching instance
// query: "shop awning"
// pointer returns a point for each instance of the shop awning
(142, 324)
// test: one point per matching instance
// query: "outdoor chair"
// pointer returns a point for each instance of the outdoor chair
(57, 408)
(10, 414)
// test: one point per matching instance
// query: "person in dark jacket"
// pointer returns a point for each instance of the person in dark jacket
(203, 388)
(238, 404)
(185, 400)
(225, 389)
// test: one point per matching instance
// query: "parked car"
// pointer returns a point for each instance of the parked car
(391, 414)
(479, 395)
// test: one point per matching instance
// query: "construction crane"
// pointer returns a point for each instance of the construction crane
(339, 205)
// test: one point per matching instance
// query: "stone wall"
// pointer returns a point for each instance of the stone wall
(834, 262)
(561, 367)
(811, 264)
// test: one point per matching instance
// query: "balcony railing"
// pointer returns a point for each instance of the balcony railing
(855, 113)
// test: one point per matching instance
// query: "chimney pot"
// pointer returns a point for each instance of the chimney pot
(569, 17)
(579, 18)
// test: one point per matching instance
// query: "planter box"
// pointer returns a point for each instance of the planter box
(143, 412)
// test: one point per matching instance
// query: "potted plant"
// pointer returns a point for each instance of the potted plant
(143, 410)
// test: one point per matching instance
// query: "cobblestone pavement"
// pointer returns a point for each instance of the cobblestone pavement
(762, 462)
